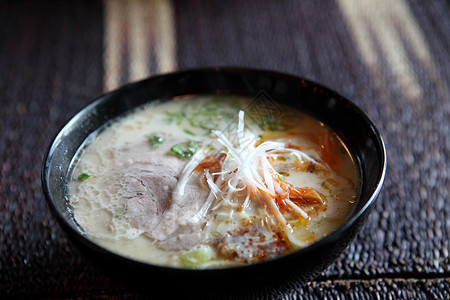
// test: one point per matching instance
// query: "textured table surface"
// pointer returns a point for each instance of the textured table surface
(392, 58)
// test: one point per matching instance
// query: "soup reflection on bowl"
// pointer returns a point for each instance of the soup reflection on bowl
(216, 173)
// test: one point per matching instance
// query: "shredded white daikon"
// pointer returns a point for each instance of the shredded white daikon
(246, 168)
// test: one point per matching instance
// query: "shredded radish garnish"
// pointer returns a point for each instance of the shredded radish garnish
(214, 188)
(241, 129)
(178, 192)
(296, 209)
(223, 140)
(246, 173)
(203, 210)
(234, 188)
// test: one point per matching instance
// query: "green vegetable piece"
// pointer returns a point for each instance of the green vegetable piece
(189, 132)
(192, 146)
(83, 176)
(206, 115)
(195, 258)
(155, 141)
(281, 177)
(176, 116)
(179, 151)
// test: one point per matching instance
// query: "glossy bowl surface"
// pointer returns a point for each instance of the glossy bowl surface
(351, 124)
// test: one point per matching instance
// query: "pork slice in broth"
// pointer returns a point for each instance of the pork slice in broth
(149, 208)
(147, 180)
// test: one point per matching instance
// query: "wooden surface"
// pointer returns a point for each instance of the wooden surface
(392, 58)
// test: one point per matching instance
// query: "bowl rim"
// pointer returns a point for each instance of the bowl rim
(328, 239)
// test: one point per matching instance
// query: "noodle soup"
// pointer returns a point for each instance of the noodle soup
(208, 182)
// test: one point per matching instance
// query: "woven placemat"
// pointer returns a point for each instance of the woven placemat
(56, 56)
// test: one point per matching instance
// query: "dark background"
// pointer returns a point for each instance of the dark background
(392, 58)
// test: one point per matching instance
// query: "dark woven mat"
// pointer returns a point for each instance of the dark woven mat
(52, 63)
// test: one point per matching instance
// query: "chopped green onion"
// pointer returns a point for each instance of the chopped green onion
(192, 146)
(208, 115)
(189, 132)
(177, 116)
(179, 151)
(83, 176)
(281, 177)
(155, 141)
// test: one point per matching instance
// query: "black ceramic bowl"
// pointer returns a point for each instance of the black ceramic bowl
(353, 126)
